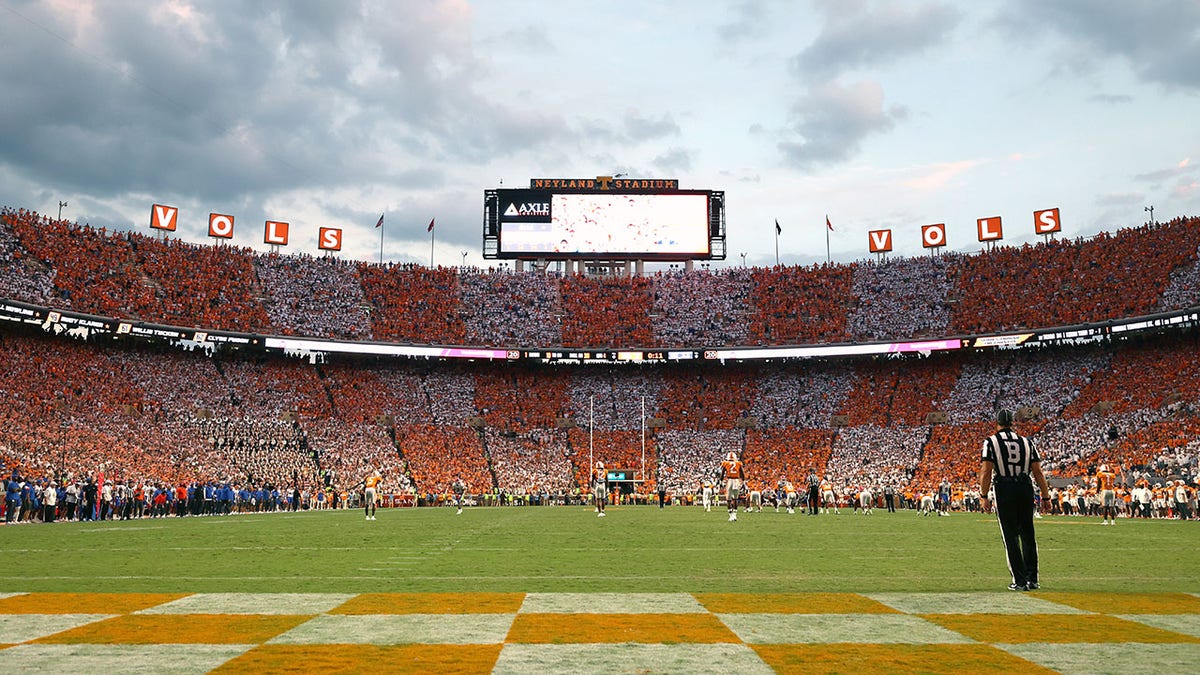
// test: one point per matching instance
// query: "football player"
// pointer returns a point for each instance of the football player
(733, 474)
(600, 487)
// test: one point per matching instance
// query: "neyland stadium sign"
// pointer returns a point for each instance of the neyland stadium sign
(603, 183)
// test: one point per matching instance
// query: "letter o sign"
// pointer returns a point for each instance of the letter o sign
(933, 236)
(220, 225)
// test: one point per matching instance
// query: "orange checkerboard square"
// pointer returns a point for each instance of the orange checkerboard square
(432, 603)
(1128, 603)
(353, 659)
(873, 658)
(142, 629)
(1055, 628)
(614, 628)
(792, 603)
(84, 603)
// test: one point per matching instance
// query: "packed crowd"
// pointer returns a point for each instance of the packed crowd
(124, 274)
(24, 278)
(314, 296)
(606, 311)
(905, 296)
(509, 310)
(533, 462)
(165, 417)
(701, 308)
(800, 305)
(413, 304)
(1076, 279)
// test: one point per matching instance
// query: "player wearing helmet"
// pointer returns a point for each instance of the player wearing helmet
(733, 474)
(600, 487)
(1106, 483)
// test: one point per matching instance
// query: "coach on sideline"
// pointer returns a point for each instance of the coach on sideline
(1011, 459)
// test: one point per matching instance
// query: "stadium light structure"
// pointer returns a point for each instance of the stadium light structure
(464, 256)
(1150, 210)
(743, 259)
(61, 204)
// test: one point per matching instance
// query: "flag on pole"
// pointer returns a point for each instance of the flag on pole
(430, 228)
(778, 229)
(828, 224)
(379, 224)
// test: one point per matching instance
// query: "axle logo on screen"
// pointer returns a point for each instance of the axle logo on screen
(529, 209)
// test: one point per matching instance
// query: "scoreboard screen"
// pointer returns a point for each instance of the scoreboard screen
(541, 223)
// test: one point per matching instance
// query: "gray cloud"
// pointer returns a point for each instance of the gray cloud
(830, 124)
(1181, 169)
(830, 121)
(749, 20)
(638, 127)
(1158, 38)
(1111, 99)
(673, 160)
(222, 102)
(859, 34)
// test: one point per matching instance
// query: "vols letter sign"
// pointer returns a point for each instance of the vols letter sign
(163, 217)
(276, 233)
(1046, 221)
(933, 236)
(880, 241)
(329, 239)
(990, 229)
(220, 225)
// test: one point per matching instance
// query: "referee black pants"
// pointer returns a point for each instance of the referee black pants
(1014, 510)
(814, 500)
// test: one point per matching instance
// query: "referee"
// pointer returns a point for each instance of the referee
(1009, 460)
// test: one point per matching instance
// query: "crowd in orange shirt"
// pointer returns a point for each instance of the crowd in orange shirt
(606, 311)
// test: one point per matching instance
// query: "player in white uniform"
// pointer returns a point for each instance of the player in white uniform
(865, 499)
(706, 495)
(926, 504)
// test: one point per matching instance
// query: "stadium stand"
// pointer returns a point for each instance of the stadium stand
(158, 415)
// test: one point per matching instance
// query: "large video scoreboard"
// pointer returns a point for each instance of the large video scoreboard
(604, 219)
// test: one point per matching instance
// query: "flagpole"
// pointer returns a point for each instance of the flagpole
(777, 243)
(431, 235)
(828, 259)
(380, 240)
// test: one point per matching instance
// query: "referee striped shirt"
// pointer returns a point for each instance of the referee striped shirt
(1011, 453)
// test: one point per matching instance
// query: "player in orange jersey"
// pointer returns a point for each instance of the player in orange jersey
(733, 474)
(1106, 483)
(828, 498)
(371, 485)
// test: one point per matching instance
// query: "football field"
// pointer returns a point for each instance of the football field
(557, 589)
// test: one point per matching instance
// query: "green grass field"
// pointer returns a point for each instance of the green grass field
(568, 549)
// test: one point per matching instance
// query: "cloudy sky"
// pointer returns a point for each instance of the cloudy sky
(881, 114)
